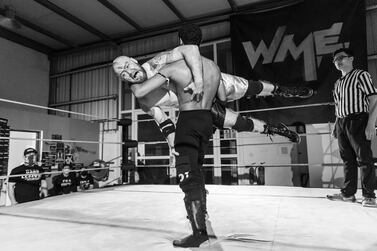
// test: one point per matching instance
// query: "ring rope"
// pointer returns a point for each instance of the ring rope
(114, 119)
(256, 165)
(288, 107)
(156, 142)
(59, 172)
(205, 165)
(66, 140)
(248, 144)
(263, 110)
(54, 109)
(258, 135)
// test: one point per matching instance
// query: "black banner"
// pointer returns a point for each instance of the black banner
(293, 46)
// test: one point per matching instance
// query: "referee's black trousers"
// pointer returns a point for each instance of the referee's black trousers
(355, 150)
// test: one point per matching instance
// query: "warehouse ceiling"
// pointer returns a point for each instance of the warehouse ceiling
(53, 26)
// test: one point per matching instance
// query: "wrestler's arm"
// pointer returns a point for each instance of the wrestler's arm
(193, 59)
(160, 59)
(11, 194)
(44, 190)
(191, 55)
(142, 89)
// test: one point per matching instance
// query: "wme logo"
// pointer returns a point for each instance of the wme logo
(313, 47)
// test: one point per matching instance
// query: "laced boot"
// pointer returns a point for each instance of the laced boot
(293, 91)
(196, 214)
(282, 130)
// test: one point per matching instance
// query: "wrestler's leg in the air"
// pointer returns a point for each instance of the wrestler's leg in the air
(237, 87)
(248, 124)
(227, 118)
(266, 88)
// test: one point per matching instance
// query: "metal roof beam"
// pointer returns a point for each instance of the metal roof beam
(37, 28)
(27, 42)
(45, 32)
(148, 33)
(118, 12)
(206, 20)
(72, 18)
(233, 5)
(175, 10)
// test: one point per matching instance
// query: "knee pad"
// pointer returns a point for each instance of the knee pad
(254, 88)
(167, 127)
(243, 124)
(218, 114)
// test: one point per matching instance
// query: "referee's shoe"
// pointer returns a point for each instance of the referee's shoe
(368, 202)
(341, 197)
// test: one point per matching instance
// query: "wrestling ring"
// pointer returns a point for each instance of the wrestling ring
(150, 217)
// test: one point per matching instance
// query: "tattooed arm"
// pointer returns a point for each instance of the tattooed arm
(193, 59)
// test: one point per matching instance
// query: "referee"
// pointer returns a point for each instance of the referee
(356, 113)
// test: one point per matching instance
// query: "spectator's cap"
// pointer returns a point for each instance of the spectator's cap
(30, 150)
(67, 165)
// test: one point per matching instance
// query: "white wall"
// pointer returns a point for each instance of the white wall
(112, 152)
(71, 129)
(24, 74)
(17, 147)
(323, 149)
(268, 152)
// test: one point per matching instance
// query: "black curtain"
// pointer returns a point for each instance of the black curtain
(293, 46)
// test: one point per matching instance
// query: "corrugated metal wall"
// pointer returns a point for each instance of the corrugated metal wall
(371, 6)
(88, 84)
(85, 85)
(79, 59)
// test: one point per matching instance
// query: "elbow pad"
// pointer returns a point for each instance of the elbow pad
(167, 127)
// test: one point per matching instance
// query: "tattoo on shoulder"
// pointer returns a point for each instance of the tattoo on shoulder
(160, 59)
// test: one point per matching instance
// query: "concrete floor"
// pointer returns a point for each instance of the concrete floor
(150, 217)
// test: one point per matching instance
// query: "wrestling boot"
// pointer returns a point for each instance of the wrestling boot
(292, 91)
(203, 199)
(204, 203)
(195, 211)
(282, 130)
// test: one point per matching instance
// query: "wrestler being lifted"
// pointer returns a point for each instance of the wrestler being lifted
(231, 88)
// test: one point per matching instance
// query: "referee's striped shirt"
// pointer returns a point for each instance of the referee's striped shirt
(351, 92)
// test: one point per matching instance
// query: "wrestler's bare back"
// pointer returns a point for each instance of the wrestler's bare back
(180, 76)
